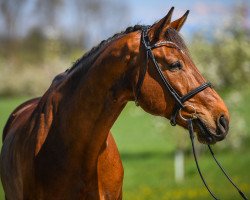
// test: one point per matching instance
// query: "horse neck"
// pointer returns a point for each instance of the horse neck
(88, 112)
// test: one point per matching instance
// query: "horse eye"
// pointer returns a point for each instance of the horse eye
(176, 65)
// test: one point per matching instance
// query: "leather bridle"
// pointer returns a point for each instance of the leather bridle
(179, 101)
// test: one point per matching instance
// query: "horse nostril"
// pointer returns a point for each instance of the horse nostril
(223, 125)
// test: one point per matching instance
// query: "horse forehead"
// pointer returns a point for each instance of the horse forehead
(167, 54)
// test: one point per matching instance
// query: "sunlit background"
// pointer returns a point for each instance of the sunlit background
(41, 38)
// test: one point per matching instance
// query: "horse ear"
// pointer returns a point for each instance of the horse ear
(177, 24)
(159, 27)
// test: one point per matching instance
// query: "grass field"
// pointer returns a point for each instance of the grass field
(147, 151)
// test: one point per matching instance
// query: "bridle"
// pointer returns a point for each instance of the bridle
(179, 100)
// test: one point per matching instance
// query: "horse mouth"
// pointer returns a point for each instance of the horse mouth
(204, 134)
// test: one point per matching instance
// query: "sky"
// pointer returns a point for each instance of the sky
(205, 15)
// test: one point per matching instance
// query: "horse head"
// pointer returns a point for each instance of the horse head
(169, 84)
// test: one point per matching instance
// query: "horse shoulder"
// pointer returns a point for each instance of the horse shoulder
(110, 170)
(11, 161)
(25, 107)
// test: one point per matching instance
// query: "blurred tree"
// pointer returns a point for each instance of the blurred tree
(35, 39)
(225, 59)
(96, 19)
(33, 45)
(11, 11)
(47, 12)
(86, 20)
(232, 49)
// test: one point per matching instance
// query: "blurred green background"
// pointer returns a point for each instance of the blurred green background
(39, 39)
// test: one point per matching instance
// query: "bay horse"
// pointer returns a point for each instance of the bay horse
(59, 146)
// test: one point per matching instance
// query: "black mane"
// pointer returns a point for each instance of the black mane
(96, 49)
(82, 65)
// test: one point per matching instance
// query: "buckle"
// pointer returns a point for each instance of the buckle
(192, 115)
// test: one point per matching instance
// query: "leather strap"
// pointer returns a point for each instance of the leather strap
(191, 134)
(185, 98)
(142, 72)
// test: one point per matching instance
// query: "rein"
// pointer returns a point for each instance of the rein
(179, 100)
(191, 134)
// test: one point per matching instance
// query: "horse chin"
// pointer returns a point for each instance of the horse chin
(204, 134)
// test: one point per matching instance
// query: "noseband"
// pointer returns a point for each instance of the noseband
(179, 101)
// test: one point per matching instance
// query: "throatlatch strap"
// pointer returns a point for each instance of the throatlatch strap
(140, 80)
(142, 72)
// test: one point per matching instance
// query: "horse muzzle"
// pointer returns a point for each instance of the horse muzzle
(206, 134)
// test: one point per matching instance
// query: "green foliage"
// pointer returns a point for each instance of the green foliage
(28, 66)
(225, 57)
(225, 61)
(152, 177)
(237, 102)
